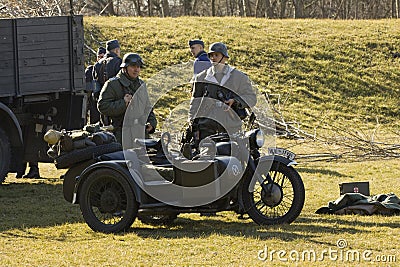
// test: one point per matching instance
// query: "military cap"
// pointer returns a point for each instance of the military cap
(101, 50)
(196, 41)
(112, 44)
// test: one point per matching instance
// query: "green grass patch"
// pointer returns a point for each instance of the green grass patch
(321, 66)
(39, 228)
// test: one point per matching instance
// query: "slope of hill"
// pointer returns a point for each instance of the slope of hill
(343, 71)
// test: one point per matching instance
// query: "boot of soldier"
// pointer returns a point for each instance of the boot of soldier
(21, 170)
(33, 172)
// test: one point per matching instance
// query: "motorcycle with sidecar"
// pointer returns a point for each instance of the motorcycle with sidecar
(155, 183)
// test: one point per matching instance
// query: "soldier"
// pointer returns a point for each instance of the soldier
(92, 88)
(220, 96)
(202, 62)
(118, 92)
(108, 66)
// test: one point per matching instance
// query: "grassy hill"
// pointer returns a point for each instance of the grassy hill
(336, 70)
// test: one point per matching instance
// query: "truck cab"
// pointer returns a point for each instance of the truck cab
(41, 85)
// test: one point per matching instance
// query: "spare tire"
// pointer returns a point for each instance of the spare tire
(78, 155)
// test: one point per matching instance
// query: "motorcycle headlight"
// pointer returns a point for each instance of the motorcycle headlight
(256, 138)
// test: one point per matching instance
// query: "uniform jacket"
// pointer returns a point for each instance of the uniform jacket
(112, 66)
(111, 101)
(202, 62)
(208, 95)
(89, 78)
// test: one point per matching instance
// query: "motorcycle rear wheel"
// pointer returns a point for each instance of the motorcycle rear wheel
(279, 202)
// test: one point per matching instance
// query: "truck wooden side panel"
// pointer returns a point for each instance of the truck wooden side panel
(49, 52)
(7, 66)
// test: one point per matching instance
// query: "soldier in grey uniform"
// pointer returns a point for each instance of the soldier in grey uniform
(202, 62)
(220, 96)
(118, 92)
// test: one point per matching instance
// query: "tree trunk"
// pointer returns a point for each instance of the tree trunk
(283, 9)
(193, 8)
(397, 8)
(233, 5)
(356, 10)
(109, 8)
(258, 8)
(298, 9)
(213, 8)
(324, 14)
(137, 7)
(268, 9)
(165, 8)
(244, 7)
(228, 10)
(240, 7)
(248, 8)
(149, 8)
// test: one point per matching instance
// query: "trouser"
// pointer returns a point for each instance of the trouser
(210, 127)
(94, 112)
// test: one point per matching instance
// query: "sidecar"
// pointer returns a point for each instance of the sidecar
(113, 189)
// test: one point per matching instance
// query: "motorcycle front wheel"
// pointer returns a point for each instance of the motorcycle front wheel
(107, 202)
(277, 202)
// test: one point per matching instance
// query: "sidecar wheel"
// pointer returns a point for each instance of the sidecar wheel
(158, 219)
(274, 203)
(107, 202)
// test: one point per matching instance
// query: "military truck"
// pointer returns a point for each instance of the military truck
(41, 86)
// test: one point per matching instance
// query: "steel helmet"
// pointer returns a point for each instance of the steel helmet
(218, 47)
(131, 59)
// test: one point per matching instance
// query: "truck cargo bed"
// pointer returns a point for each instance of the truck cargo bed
(41, 55)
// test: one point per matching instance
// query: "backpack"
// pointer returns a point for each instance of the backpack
(102, 75)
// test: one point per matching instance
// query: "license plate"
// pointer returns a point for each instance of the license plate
(281, 152)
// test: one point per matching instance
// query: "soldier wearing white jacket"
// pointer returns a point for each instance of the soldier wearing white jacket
(220, 96)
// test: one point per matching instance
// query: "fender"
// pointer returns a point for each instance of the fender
(13, 128)
(116, 165)
(269, 159)
(280, 159)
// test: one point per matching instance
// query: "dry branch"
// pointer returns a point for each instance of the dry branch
(346, 142)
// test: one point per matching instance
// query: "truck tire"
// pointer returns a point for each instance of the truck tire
(5, 155)
(78, 155)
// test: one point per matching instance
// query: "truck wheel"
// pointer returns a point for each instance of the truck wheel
(78, 155)
(5, 155)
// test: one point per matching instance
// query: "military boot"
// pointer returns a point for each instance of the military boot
(33, 172)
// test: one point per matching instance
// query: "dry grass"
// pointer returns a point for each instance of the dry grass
(39, 228)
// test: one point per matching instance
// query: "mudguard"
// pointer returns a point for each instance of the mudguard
(268, 160)
(116, 165)
(286, 161)
(12, 127)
